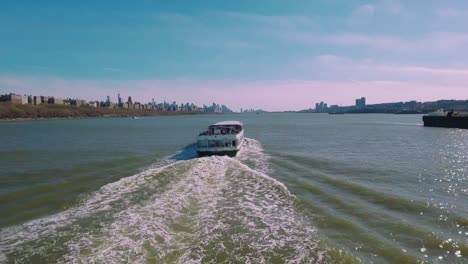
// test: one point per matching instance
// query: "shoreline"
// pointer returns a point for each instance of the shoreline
(25, 119)
(19, 113)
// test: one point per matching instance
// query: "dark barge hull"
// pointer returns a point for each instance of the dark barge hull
(446, 121)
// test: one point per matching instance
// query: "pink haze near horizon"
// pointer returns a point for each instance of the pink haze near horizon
(268, 95)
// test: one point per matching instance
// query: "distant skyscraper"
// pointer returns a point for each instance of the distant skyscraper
(321, 107)
(361, 103)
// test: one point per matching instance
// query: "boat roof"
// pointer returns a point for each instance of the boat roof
(228, 123)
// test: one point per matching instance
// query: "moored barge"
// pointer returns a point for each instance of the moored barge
(449, 119)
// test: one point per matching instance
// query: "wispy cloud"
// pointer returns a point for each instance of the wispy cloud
(300, 30)
(378, 70)
(394, 7)
(355, 39)
(440, 72)
(449, 12)
(382, 7)
(428, 43)
(364, 10)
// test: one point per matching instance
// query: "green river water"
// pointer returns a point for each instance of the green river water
(305, 188)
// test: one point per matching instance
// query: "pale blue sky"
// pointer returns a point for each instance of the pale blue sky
(275, 55)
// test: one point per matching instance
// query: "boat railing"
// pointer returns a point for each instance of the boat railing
(210, 133)
(221, 131)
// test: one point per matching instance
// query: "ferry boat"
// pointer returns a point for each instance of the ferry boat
(223, 138)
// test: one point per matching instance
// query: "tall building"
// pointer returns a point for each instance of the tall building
(120, 101)
(361, 103)
(321, 107)
(108, 102)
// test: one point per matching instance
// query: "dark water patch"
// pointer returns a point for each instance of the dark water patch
(378, 222)
(354, 237)
(357, 215)
(62, 189)
(188, 152)
(394, 203)
(51, 237)
(409, 236)
(334, 167)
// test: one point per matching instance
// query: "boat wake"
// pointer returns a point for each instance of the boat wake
(186, 210)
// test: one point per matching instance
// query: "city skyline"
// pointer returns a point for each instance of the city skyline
(129, 103)
(267, 55)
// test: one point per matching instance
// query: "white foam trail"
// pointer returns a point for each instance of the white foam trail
(253, 155)
(211, 198)
(16, 238)
(200, 210)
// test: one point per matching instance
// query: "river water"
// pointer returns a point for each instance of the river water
(305, 188)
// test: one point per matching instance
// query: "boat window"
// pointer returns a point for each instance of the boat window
(234, 143)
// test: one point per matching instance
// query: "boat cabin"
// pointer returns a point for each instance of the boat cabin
(223, 128)
(221, 137)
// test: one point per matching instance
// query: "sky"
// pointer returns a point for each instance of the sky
(274, 55)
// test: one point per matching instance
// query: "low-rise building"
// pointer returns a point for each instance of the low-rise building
(36, 100)
(14, 99)
(80, 103)
(56, 101)
(75, 102)
(44, 99)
